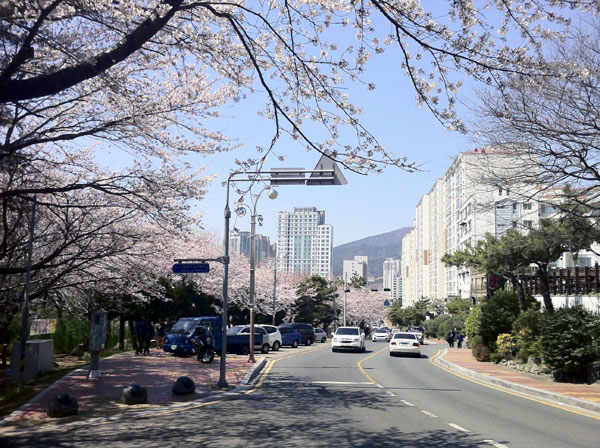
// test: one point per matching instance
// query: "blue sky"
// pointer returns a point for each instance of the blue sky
(367, 205)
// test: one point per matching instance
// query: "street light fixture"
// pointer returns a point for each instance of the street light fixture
(326, 172)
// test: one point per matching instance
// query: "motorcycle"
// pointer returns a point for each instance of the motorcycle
(204, 345)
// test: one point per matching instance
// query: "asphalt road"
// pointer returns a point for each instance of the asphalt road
(313, 397)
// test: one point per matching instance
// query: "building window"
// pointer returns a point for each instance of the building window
(499, 191)
(528, 224)
(527, 206)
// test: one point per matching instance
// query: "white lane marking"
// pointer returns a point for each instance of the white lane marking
(430, 414)
(391, 394)
(495, 444)
(460, 428)
(350, 383)
(379, 386)
(407, 403)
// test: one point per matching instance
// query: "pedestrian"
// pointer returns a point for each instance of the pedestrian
(160, 334)
(459, 340)
(147, 334)
(139, 337)
(450, 339)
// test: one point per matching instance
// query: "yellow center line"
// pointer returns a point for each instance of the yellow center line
(472, 380)
(272, 362)
(360, 367)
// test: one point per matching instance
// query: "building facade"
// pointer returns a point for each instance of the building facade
(358, 266)
(304, 242)
(239, 242)
(391, 270)
(461, 207)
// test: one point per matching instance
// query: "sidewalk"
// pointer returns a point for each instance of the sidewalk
(583, 396)
(156, 372)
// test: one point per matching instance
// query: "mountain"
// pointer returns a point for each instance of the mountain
(377, 248)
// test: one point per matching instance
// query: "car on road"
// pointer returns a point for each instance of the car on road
(418, 331)
(275, 340)
(320, 335)
(405, 342)
(381, 334)
(348, 338)
(307, 332)
(290, 337)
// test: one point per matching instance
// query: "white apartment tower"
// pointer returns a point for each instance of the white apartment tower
(461, 207)
(358, 266)
(391, 267)
(304, 242)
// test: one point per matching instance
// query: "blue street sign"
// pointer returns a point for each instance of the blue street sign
(191, 268)
(386, 302)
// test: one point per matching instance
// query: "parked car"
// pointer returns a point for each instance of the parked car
(351, 338)
(274, 336)
(405, 342)
(261, 338)
(320, 335)
(418, 331)
(289, 337)
(381, 334)
(307, 332)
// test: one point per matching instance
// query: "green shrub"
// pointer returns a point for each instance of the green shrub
(473, 324)
(432, 326)
(497, 316)
(570, 342)
(506, 345)
(527, 332)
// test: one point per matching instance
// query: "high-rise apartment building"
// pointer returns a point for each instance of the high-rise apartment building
(239, 242)
(461, 207)
(358, 266)
(304, 242)
(391, 267)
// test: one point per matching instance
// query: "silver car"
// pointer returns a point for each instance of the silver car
(381, 334)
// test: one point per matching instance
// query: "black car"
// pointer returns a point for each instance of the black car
(307, 332)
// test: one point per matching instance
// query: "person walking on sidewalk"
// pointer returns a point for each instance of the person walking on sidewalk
(139, 337)
(450, 339)
(459, 340)
(160, 334)
(147, 334)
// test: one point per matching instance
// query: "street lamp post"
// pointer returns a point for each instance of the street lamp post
(274, 288)
(326, 172)
(345, 291)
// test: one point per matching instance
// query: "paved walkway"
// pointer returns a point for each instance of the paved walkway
(156, 372)
(586, 396)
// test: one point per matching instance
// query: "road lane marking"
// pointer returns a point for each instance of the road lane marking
(270, 365)
(363, 370)
(460, 428)
(500, 389)
(407, 403)
(391, 394)
(495, 444)
(341, 383)
(429, 414)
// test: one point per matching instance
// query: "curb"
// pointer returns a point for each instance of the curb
(526, 390)
(253, 372)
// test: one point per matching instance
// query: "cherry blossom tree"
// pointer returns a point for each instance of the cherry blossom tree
(364, 305)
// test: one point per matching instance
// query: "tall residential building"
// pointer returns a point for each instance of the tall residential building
(304, 242)
(239, 242)
(359, 266)
(461, 207)
(391, 267)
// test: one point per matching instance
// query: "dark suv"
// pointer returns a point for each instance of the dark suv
(307, 332)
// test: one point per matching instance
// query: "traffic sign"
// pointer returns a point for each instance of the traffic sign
(191, 268)
(386, 302)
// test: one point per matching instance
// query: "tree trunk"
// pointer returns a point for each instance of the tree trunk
(517, 286)
(134, 341)
(121, 332)
(545, 288)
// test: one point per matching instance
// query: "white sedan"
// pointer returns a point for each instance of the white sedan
(351, 338)
(381, 334)
(405, 342)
